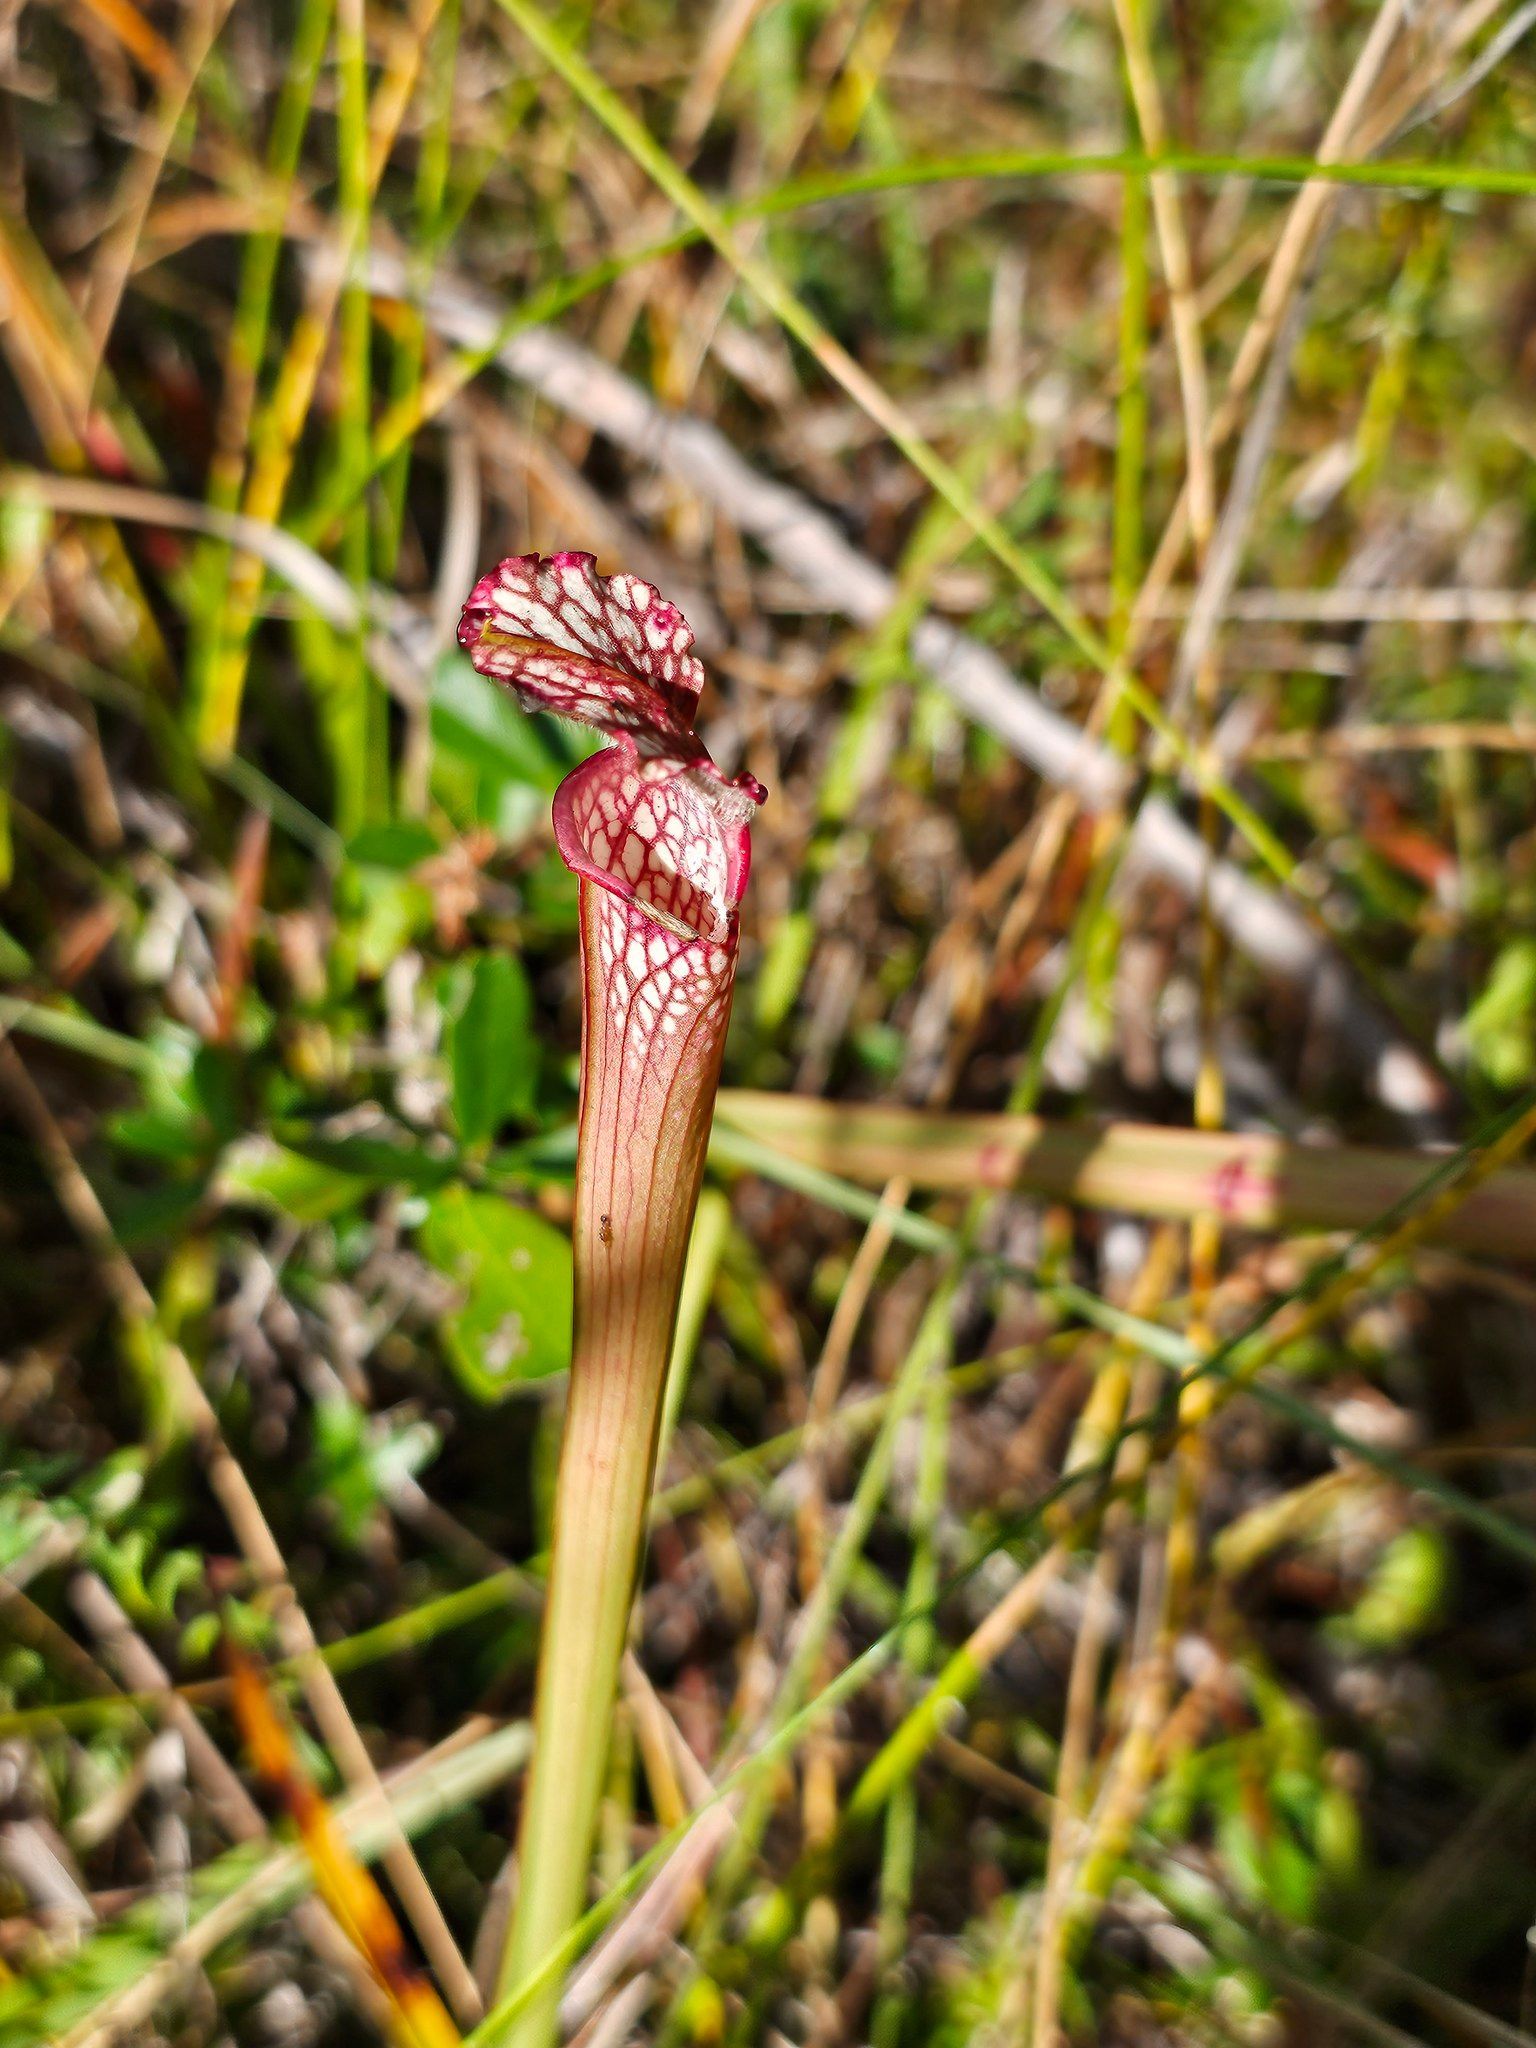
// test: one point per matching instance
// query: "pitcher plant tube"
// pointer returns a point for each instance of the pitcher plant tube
(659, 839)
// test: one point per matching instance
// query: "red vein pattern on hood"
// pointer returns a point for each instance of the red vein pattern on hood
(652, 819)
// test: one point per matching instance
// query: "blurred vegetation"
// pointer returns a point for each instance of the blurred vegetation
(1056, 1702)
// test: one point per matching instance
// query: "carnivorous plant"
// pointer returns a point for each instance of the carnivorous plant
(660, 841)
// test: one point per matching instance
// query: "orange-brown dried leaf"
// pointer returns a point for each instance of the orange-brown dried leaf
(419, 2017)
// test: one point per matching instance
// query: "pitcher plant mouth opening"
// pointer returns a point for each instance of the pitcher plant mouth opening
(660, 841)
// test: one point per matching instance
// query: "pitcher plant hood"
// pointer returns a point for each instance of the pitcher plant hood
(650, 818)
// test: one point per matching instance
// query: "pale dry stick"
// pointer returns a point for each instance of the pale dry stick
(1498, 48)
(1413, 99)
(39, 1863)
(819, 1776)
(853, 1298)
(1200, 488)
(58, 1542)
(1311, 202)
(1093, 1632)
(460, 550)
(393, 650)
(950, 1002)
(1220, 564)
(972, 1767)
(1112, 1396)
(728, 28)
(827, 1382)
(1189, 356)
(1275, 328)
(643, 1933)
(1178, 269)
(1210, 1087)
(616, 2024)
(1218, 559)
(512, 448)
(707, 304)
(456, 563)
(252, 1531)
(1308, 209)
(114, 261)
(1349, 605)
(235, 1811)
(1122, 1792)
(958, 1679)
(1194, 680)
(1476, 735)
(233, 1808)
(809, 547)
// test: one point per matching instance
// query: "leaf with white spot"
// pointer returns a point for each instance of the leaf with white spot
(511, 1320)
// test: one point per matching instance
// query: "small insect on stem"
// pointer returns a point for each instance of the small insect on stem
(605, 1230)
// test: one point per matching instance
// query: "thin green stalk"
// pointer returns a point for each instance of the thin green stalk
(250, 326)
(1130, 418)
(356, 711)
(429, 206)
(706, 1248)
(898, 1858)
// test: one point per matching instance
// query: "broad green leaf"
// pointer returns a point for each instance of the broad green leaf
(494, 1053)
(1498, 1027)
(395, 911)
(384, 1161)
(358, 1459)
(782, 972)
(513, 1320)
(273, 1177)
(397, 843)
(187, 1109)
(1404, 1594)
